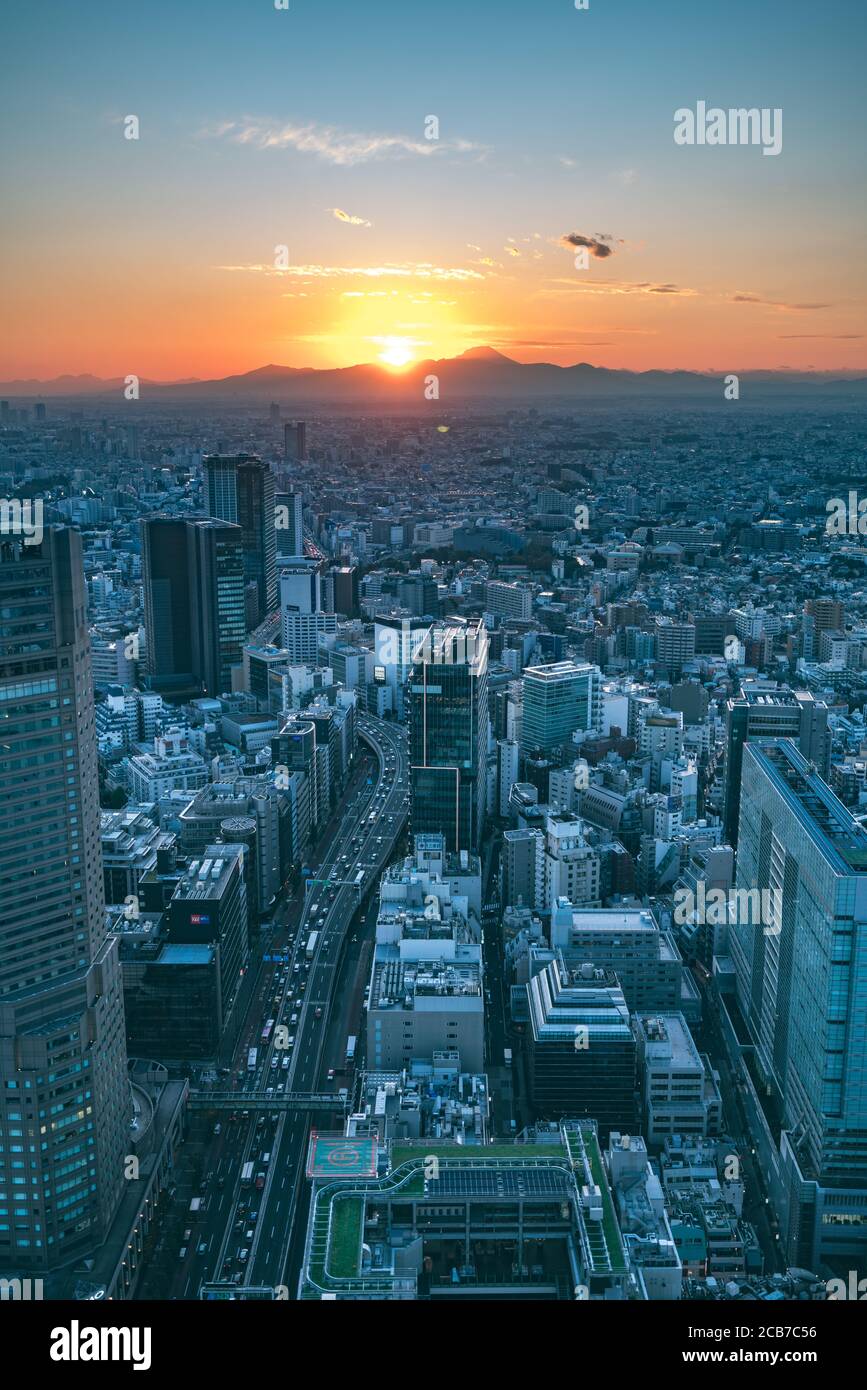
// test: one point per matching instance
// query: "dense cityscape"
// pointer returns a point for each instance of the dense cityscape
(433, 678)
(444, 814)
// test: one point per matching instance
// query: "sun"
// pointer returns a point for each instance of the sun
(396, 352)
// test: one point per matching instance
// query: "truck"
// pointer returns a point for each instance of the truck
(246, 1175)
(359, 878)
(350, 1047)
(507, 1056)
(197, 1206)
(252, 1058)
(310, 949)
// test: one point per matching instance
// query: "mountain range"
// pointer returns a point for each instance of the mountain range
(476, 375)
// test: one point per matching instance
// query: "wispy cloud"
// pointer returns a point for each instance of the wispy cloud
(422, 270)
(622, 287)
(331, 143)
(349, 217)
(745, 298)
(827, 337)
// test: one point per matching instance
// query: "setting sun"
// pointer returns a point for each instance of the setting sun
(396, 352)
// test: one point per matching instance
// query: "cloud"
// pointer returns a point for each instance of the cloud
(348, 217)
(744, 298)
(622, 287)
(422, 271)
(828, 337)
(337, 146)
(599, 246)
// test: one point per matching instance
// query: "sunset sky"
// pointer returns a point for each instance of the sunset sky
(306, 128)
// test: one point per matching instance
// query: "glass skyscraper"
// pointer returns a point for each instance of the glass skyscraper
(448, 703)
(64, 1093)
(241, 489)
(802, 992)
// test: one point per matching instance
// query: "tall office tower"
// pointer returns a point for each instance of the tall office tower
(346, 590)
(675, 645)
(289, 520)
(64, 1092)
(560, 699)
(241, 489)
(301, 587)
(448, 698)
(209, 910)
(801, 977)
(582, 1051)
(303, 621)
(763, 710)
(295, 441)
(165, 553)
(217, 610)
(396, 644)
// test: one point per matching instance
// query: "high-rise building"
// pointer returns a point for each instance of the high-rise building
(166, 585)
(289, 523)
(64, 1092)
(346, 590)
(218, 622)
(295, 441)
(801, 972)
(581, 1047)
(449, 733)
(560, 699)
(241, 489)
(675, 646)
(763, 710)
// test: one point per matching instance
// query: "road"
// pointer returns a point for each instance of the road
(259, 1217)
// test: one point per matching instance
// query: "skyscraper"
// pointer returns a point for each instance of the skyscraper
(560, 699)
(166, 585)
(241, 489)
(801, 974)
(64, 1093)
(768, 711)
(217, 603)
(290, 525)
(449, 733)
(193, 581)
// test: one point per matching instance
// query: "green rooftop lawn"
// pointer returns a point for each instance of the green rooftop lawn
(347, 1216)
(610, 1228)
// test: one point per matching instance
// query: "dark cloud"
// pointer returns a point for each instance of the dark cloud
(599, 245)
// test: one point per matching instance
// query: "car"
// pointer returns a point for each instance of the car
(285, 1063)
(187, 1234)
(182, 1253)
(203, 1245)
(243, 1255)
(237, 1277)
(274, 1061)
(330, 1076)
(218, 1129)
(248, 1235)
(317, 1012)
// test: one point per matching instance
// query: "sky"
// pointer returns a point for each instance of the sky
(284, 204)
